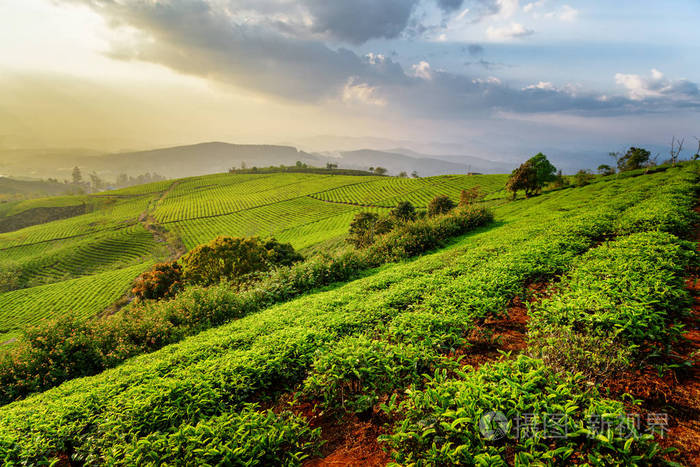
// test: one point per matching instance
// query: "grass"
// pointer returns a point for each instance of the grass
(413, 313)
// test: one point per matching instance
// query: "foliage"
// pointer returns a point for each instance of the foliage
(582, 178)
(362, 229)
(440, 425)
(229, 258)
(471, 195)
(163, 280)
(605, 169)
(634, 158)
(531, 176)
(441, 204)
(404, 212)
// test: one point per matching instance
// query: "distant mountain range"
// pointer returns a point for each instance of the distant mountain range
(213, 157)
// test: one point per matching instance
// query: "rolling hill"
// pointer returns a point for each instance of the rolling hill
(563, 306)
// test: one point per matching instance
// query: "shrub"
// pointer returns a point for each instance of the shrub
(233, 258)
(441, 204)
(361, 232)
(471, 195)
(404, 212)
(164, 280)
(582, 178)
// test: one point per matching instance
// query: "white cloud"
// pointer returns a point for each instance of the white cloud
(375, 59)
(568, 14)
(489, 80)
(508, 8)
(362, 93)
(422, 70)
(544, 85)
(656, 86)
(532, 5)
(514, 30)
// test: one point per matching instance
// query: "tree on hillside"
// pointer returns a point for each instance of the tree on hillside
(96, 182)
(414, 174)
(531, 176)
(404, 212)
(77, 176)
(331, 166)
(471, 195)
(560, 181)
(362, 229)
(441, 204)
(605, 169)
(634, 158)
(582, 178)
(232, 258)
(676, 148)
(380, 170)
(403, 174)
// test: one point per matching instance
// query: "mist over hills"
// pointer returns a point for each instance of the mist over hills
(213, 157)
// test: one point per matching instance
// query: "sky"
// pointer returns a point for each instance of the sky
(498, 79)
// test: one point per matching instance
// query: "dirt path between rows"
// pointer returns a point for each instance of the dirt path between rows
(171, 241)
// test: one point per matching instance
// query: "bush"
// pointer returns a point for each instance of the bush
(361, 232)
(404, 212)
(441, 204)
(583, 178)
(164, 280)
(471, 195)
(233, 258)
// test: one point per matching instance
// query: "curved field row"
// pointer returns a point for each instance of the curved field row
(264, 221)
(114, 214)
(83, 297)
(54, 261)
(387, 192)
(229, 193)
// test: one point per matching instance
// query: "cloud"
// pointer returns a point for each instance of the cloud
(273, 48)
(422, 70)
(449, 6)
(568, 13)
(363, 93)
(533, 5)
(361, 20)
(657, 86)
(514, 30)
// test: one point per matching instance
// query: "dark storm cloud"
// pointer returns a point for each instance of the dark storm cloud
(263, 45)
(358, 21)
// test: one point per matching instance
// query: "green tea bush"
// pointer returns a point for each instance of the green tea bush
(621, 299)
(357, 370)
(248, 437)
(163, 280)
(440, 425)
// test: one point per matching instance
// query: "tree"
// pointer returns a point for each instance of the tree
(380, 170)
(582, 177)
(531, 176)
(560, 181)
(676, 148)
(331, 166)
(441, 204)
(403, 174)
(96, 181)
(414, 174)
(163, 280)
(362, 227)
(605, 169)
(383, 225)
(243, 166)
(404, 212)
(471, 195)
(233, 258)
(299, 164)
(77, 176)
(696, 156)
(634, 158)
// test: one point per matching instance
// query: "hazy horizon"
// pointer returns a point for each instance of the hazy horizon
(495, 79)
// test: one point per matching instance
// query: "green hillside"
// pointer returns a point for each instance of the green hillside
(125, 229)
(542, 312)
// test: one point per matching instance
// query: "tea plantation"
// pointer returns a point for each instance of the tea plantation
(396, 349)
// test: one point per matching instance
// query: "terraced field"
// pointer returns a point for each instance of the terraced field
(388, 191)
(406, 352)
(306, 210)
(81, 298)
